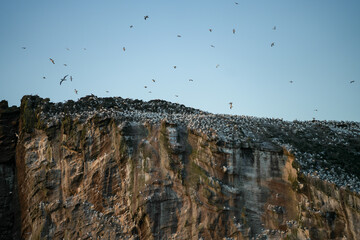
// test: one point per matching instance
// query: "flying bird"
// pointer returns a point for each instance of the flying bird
(124, 49)
(145, 86)
(52, 60)
(236, 3)
(23, 47)
(210, 30)
(272, 44)
(153, 80)
(70, 78)
(174, 67)
(212, 46)
(176, 95)
(65, 64)
(131, 26)
(217, 65)
(233, 30)
(290, 81)
(315, 110)
(68, 49)
(149, 91)
(107, 91)
(63, 79)
(352, 81)
(146, 17)
(84, 48)
(190, 80)
(178, 35)
(230, 103)
(44, 77)
(274, 28)
(76, 91)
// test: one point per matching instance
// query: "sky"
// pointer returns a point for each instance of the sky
(307, 74)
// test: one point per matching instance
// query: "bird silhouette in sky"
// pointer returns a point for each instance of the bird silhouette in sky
(76, 91)
(44, 77)
(290, 81)
(352, 81)
(65, 64)
(131, 26)
(217, 65)
(84, 49)
(212, 46)
(146, 17)
(23, 47)
(274, 28)
(153, 80)
(210, 30)
(236, 3)
(145, 86)
(176, 95)
(174, 67)
(124, 49)
(233, 30)
(315, 110)
(63, 79)
(107, 91)
(70, 78)
(149, 91)
(52, 60)
(230, 103)
(178, 35)
(68, 49)
(272, 44)
(190, 80)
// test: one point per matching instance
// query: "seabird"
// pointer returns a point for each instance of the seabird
(190, 80)
(352, 81)
(233, 30)
(212, 46)
(230, 103)
(76, 91)
(65, 64)
(315, 110)
(149, 91)
(272, 44)
(176, 95)
(84, 48)
(145, 86)
(107, 91)
(52, 60)
(153, 80)
(63, 79)
(217, 65)
(146, 17)
(178, 35)
(124, 49)
(236, 3)
(274, 28)
(70, 78)
(68, 49)
(44, 77)
(174, 67)
(23, 47)
(131, 26)
(290, 81)
(210, 30)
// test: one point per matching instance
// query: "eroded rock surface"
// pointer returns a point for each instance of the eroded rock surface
(118, 168)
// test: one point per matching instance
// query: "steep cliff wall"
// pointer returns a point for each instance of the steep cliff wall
(9, 225)
(125, 169)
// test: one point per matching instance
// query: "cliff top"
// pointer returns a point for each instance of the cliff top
(329, 150)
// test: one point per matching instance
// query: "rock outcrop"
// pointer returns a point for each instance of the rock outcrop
(113, 168)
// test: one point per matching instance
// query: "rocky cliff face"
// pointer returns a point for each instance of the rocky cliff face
(125, 169)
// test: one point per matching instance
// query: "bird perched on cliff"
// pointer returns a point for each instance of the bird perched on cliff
(230, 103)
(76, 91)
(146, 17)
(272, 44)
(352, 81)
(63, 79)
(52, 60)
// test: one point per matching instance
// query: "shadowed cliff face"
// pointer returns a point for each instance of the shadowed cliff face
(124, 169)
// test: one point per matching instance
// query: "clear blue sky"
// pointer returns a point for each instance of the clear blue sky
(317, 46)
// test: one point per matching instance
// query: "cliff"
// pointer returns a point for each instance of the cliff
(113, 168)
